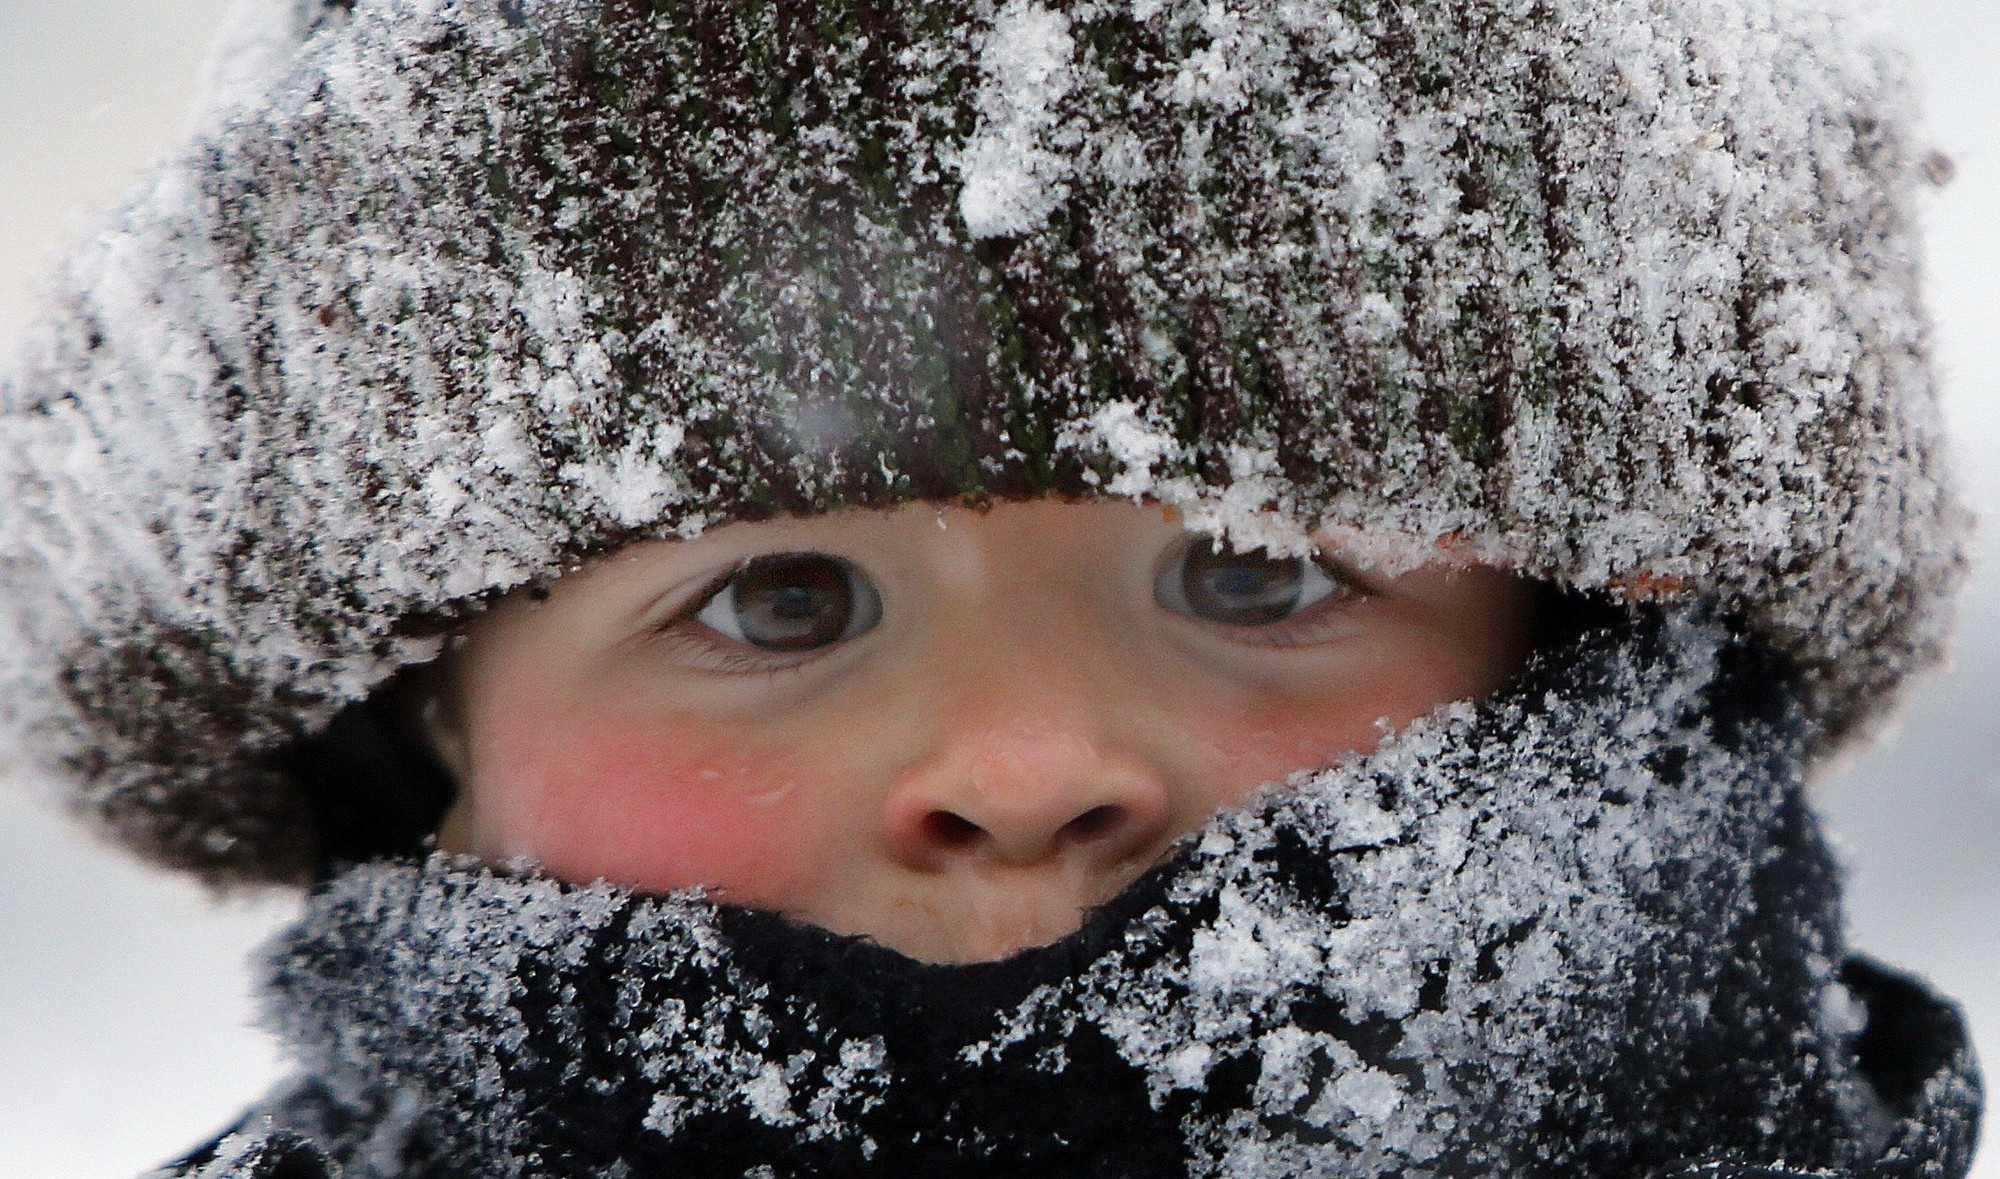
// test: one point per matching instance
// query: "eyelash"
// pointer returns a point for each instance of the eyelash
(1303, 629)
(711, 652)
(727, 658)
(1309, 626)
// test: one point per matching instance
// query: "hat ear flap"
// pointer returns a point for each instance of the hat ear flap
(257, 39)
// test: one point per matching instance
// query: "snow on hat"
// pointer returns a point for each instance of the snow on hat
(450, 294)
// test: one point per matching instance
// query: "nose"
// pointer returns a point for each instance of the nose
(1024, 791)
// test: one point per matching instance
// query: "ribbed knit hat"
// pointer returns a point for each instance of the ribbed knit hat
(443, 296)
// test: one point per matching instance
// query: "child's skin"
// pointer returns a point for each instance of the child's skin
(952, 731)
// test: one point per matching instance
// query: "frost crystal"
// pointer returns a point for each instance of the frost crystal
(1505, 942)
(1011, 172)
(447, 296)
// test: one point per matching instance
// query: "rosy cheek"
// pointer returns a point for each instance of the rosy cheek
(654, 812)
(1266, 740)
(1266, 744)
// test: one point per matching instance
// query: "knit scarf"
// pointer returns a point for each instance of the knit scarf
(1583, 928)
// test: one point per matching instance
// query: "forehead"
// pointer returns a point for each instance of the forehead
(947, 548)
(1044, 531)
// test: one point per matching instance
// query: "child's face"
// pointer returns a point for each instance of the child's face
(949, 730)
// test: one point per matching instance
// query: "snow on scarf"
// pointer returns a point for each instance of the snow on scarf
(1586, 928)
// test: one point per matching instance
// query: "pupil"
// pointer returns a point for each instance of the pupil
(793, 603)
(1241, 589)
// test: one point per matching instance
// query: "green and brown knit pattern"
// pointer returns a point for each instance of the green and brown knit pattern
(1617, 292)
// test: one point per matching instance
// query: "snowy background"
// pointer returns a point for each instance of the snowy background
(124, 1014)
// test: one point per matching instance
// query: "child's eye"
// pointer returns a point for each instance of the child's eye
(792, 602)
(1219, 584)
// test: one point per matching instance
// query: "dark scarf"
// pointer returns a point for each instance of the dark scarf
(1585, 929)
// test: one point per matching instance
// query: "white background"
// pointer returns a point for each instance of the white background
(124, 1033)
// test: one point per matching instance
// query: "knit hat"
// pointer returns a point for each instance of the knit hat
(443, 296)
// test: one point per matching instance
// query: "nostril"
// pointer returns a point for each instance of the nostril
(1092, 824)
(947, 830)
